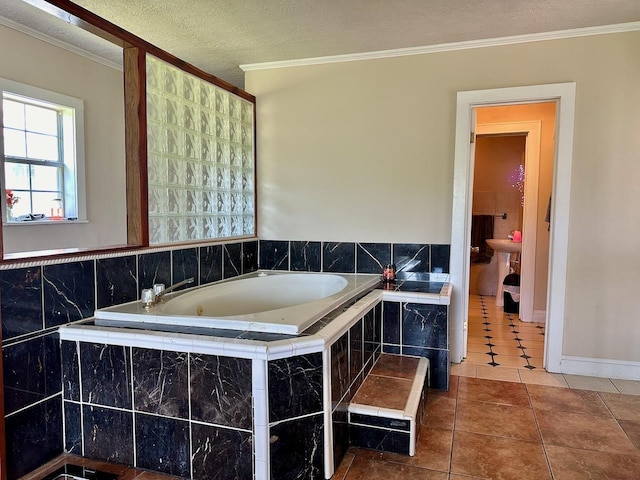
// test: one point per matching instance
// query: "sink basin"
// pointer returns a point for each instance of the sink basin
(505, 245)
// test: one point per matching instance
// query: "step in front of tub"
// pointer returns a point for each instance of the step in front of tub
(388, 409)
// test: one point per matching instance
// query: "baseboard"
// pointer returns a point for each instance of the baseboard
(598, 367)
(540, 316)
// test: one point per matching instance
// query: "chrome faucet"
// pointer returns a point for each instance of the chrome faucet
(155, 295)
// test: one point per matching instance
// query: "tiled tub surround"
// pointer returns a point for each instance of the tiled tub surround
(300, 389)
(349, 257)
(37, 298)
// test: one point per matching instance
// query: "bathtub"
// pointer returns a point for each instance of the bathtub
(274, 302)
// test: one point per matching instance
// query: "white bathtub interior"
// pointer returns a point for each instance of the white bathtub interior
(271, 302)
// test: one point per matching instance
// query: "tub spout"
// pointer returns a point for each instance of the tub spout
(151, 297)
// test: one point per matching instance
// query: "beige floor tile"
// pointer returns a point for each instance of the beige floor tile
(507, 350)
(540, 377)
(590, 383)
(464, 369)
(628, 387)
(477, 348)
(510, 361)
(486, 456)
(574, 463)
(492, 373)
(579, 430)
(477, 358)
(623, 407)
(503, 340)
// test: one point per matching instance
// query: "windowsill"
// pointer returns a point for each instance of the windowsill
(43, 222)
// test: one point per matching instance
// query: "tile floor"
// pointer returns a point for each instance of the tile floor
(509, 421)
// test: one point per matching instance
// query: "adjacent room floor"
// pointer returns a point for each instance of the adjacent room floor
(506, 418)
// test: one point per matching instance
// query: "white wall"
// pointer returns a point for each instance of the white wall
(363, 151)
(40, 64)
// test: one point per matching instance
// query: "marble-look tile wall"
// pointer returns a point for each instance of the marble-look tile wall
(296, 420)
(420, 330)
(347, 257)
(35, 300)
(352, 357)
(188, 415)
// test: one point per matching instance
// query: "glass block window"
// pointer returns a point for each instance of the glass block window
(200, 158)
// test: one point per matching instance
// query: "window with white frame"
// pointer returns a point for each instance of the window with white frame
(43, 154)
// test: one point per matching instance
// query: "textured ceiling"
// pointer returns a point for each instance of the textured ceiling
(219, 35)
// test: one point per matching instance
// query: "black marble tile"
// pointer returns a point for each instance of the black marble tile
(264, 336)
(423, 287)
(69, 292)
(162, 445)
(161, 382)
(70, 370)
(339, 257)
(154, 268)
(372, 257)
(297, 449)
(377, 323)
(391, 349)
(210, 264)
(440, 258)
(379, 439)
(33, 437)
(369, 335)
(305, 256)
(340, 433)
(21, 301)
(221, 454)
(438, 365)
(391, 315)
(32, 371)
(72, 428)
(185, 265)
(106, 375)
(250, 256)
(412, 257)
(221, 390)
(231, 260)
(295, 386)
(393, 423)
(107, 434)
(355, 350)
(116, 280)
(274, 255)
(339, 368)
(424, 325)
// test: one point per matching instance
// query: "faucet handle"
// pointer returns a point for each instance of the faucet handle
(158, 288)
(148, 297)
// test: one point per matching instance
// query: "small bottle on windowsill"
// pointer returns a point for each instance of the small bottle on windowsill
(56, 211)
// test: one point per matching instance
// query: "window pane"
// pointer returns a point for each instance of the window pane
(45, 203)
(17, 176)
(13, 114)
(14, 143)
(42, 147)
(41, 120)
(23, 205)
(45, 178)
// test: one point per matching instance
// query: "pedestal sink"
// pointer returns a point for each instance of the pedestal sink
(503, 247)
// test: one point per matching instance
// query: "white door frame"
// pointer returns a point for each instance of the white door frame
(564, 94)
(530, 216)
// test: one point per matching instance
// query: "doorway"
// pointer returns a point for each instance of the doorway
(467, 103)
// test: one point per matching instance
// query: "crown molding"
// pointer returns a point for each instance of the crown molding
(58, 43)
(448, 47)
